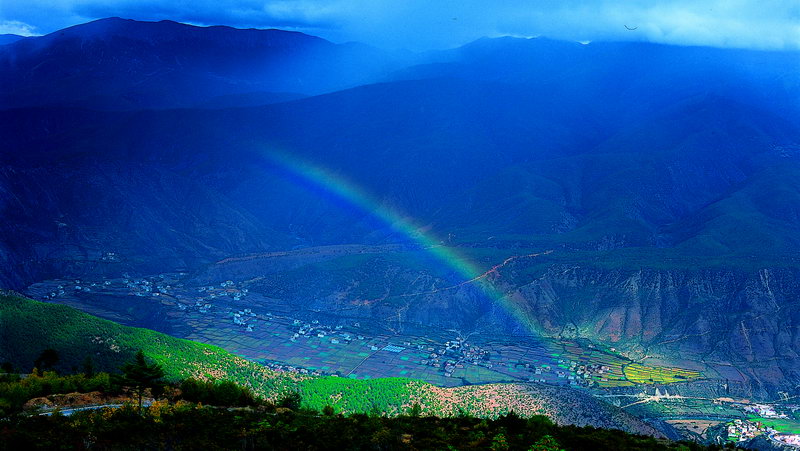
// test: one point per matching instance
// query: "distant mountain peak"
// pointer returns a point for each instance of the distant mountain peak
(117, 63)
(166, 29)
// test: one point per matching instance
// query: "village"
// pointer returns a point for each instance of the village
(778, 422)
(228, 314)
(744, 430)
(436, 357)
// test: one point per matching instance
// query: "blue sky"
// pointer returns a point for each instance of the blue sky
(429, 24)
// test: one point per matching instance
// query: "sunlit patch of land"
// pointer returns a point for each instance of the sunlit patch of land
(642, 374)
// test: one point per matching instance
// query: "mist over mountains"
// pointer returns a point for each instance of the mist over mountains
(664, 178)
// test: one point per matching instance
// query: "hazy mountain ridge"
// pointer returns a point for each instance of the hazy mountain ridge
(120, 64)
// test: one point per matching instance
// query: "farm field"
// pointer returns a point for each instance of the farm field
(782, 425)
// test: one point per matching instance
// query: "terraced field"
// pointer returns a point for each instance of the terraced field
(641, 374)
(608, 370)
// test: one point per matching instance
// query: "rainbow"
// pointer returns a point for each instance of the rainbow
(330, 182)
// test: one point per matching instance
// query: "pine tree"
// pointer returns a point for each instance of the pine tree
(47, 360)
(88, 367)
(139, 375)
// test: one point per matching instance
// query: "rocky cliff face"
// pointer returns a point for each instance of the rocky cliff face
(741, 324)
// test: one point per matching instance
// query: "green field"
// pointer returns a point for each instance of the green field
(784, 426)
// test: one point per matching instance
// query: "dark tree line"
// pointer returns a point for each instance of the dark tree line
(196, 414)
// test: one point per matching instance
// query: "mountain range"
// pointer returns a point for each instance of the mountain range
(664, 179)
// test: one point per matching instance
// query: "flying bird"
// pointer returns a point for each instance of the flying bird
(630, 29)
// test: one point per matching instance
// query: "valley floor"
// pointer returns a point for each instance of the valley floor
(230, 315)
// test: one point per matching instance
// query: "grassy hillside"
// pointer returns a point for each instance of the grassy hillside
(28, 327)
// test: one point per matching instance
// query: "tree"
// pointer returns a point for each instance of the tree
(546, 443)
(499, 442)
(47, 360)
(140, 375)
(88, 366)
(292, 401)
(7, 367)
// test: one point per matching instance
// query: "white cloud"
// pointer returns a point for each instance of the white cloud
(766, 24)
(16, 27)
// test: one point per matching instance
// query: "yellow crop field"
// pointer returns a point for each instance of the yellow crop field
(642, 374)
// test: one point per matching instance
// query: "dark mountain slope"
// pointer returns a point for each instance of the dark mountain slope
(153, 217)
(454, 154)
(9, 38)
(762, 216)
(645, 77)
(124, 64)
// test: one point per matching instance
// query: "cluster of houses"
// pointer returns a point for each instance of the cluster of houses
(577, 374)
(744, 430)
(764, 410)
(741, 430)
(453, 355)
(545, 369)
(57, 291)
(227, 288)
(585, 374)
(76, 286)
(334, 334)
(209, 294)
(140, 287)
(160, 285)
(109, 342)
(240, 318)
(110, 257)
(278, 366)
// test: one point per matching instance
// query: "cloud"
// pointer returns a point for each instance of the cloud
(767, 24)
(16, 27)
(423, 24)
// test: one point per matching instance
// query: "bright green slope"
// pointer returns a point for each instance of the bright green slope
(28, 327)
